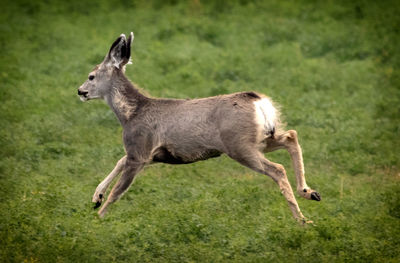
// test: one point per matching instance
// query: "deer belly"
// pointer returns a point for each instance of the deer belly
(163, 155)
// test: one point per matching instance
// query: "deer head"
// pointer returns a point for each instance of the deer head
(100, 79)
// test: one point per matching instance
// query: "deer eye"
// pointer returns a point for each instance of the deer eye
(91, 77)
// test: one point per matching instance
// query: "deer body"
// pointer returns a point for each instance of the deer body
(241, 125)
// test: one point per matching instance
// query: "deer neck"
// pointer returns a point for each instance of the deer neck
(124, 99)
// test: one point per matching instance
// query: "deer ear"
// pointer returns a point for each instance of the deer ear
(119, 52)
(128, 47)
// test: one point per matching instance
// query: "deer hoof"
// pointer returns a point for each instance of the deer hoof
(315, 196)
(98, 195)
(304, 221)
(97, 205)
(97, 200)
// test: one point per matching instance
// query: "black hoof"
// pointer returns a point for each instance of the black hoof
(97, 205)
(315, 196)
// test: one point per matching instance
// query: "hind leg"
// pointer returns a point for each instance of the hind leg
(257, 162)
(289, 141)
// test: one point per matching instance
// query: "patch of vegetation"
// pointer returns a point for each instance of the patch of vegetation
(334, 67)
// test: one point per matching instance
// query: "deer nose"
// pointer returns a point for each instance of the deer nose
(82, 92)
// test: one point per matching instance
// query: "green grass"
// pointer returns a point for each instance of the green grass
(333, 66)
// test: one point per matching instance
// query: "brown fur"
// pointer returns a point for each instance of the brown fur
(185, 131)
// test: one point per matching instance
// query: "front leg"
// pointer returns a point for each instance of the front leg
(132, 167)
(139, 144)
(103, 186)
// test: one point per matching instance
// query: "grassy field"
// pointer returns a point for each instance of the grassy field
(333, 66)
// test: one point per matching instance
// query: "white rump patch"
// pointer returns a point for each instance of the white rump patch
(265, 115)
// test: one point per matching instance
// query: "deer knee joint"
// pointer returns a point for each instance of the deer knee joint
(292, 135)
(280, 170)
(133, 161)
(122, 161)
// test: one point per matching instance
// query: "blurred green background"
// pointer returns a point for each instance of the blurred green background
(333, 66)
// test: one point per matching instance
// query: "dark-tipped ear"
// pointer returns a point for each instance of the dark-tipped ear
(119, 53)
(128, 47)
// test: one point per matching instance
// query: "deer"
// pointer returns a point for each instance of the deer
(243, 125)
